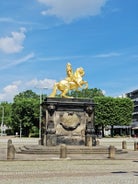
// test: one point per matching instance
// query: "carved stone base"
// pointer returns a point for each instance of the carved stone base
(51, 140)
(67, 121)
(73, 140)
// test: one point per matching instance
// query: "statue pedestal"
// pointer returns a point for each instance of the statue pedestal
(67, 121)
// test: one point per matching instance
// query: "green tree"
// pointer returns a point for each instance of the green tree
(6, 109)
(29, 94)
(113, 111)
(25, 112)
(87, 93)
(7, 112)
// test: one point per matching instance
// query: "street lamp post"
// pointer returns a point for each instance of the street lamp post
(2, 119)
(40, 116)
(40, 110)
(20, 128)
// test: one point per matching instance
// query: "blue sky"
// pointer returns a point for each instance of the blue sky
(39, 37)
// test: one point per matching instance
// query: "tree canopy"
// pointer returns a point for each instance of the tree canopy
(113, 111)
(87, 93)
(25, 112)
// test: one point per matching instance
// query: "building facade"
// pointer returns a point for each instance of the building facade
(134, 96)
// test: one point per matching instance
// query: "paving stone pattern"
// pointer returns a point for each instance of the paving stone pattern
(72, 170)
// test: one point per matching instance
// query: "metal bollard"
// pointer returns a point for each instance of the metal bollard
(111, 152)
(124, 145)
(63, 151)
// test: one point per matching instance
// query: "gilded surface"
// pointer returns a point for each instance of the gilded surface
(73, 81)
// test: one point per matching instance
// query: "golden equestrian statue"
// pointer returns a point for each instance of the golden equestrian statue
(73, 81)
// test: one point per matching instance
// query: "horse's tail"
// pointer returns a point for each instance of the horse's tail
(53, 94)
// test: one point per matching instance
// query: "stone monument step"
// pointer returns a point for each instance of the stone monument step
(70, 150)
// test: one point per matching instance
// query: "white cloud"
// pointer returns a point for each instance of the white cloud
(6, 19)
(111, 54)
(9, 92)
(18, 61)
(24, 59)
(11, 20)
(45, 83)
(104, 92)
(14, 43)
(58, 58)
(68, 10)
(16, 87)
(11, 88)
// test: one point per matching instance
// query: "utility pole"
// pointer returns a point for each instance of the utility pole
(2, 119)
(20, 128)
(40, 116)
(40, 108)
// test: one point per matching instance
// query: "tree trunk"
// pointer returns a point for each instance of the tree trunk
(102, 130)
(112, 130)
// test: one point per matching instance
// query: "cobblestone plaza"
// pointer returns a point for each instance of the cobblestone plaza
(78, 170)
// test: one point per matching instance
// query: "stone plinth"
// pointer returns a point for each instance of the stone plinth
(67, 121)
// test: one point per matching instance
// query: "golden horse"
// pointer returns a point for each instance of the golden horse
(66, 85)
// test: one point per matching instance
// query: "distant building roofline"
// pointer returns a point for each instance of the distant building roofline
(134, 91)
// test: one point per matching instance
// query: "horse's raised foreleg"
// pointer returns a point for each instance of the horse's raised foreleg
(84, 83)
(63, 94)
